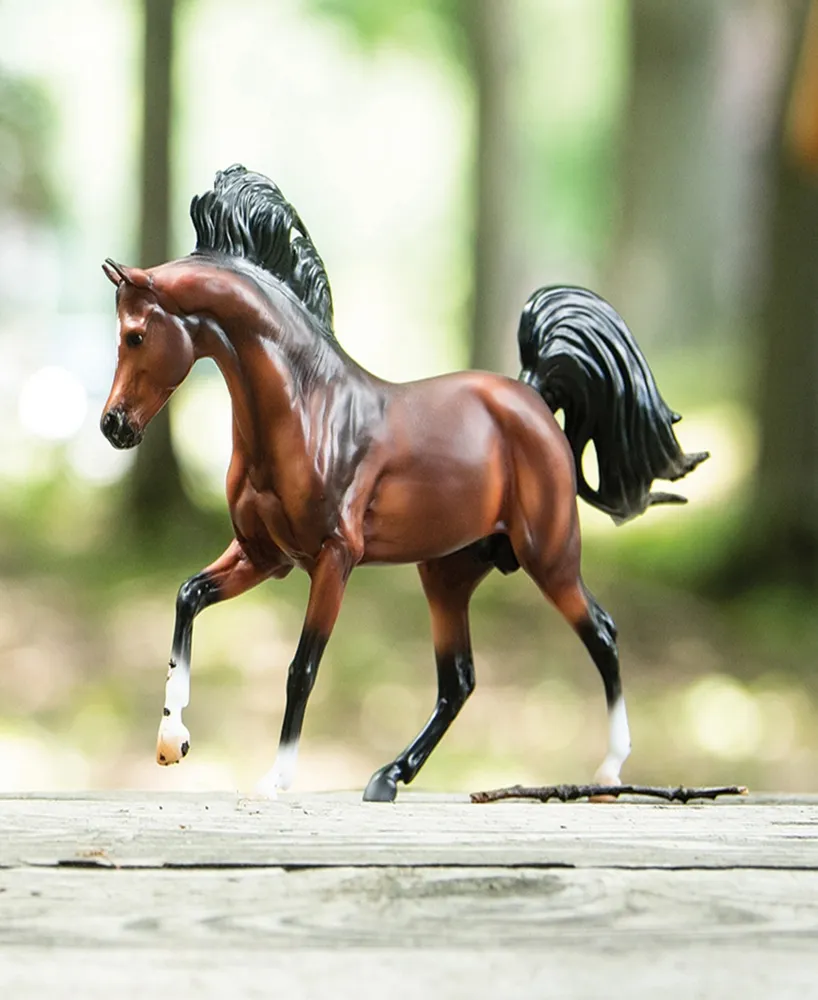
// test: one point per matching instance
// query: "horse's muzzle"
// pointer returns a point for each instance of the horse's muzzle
(119, 430)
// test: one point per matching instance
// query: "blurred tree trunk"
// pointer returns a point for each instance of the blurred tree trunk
(490, 41)
(482, 35)
(666, 254)
(783, 542)
(156, 496)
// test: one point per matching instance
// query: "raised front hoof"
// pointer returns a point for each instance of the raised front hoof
(173, 741)
(382, 787)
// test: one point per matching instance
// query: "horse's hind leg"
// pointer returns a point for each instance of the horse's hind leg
(562, 584)
(448, 584)
(598, 632)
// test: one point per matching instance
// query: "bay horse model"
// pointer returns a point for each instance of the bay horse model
(333, 468)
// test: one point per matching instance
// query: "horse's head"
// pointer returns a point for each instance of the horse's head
(155, 353)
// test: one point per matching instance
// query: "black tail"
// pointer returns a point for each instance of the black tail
(578, 354)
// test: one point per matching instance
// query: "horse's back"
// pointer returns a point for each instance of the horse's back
(472, 399)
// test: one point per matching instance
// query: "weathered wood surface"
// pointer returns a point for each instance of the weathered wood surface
(157, 831)
(217, 896)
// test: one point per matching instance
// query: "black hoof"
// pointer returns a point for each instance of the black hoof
(382, 786)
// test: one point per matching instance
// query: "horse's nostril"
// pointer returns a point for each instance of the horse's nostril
(118, 429)
(108, 423)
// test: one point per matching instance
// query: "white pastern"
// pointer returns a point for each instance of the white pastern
(619, 745)
(173, 741)
(281, 774)
(177, 687)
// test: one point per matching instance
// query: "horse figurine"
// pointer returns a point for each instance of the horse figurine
(334, 468)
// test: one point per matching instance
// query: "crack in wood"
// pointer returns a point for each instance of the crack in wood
(295, 867)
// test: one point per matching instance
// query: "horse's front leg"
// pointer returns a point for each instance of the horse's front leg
(328, 582)
(230, 575)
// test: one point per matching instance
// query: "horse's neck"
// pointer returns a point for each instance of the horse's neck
(294, 427)
(265, 418)
(277, 368)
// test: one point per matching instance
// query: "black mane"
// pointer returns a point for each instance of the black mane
(245, 215)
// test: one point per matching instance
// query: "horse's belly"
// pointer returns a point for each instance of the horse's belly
(437, 508)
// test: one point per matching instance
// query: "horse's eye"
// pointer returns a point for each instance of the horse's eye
(133, 339)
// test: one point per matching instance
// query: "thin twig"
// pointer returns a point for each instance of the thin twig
(570, 793)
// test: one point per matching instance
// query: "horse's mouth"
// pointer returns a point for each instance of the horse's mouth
(119, 430)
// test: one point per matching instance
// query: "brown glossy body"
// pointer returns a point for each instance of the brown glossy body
(457, 454)
(395, 473)
(334, 468)
(441, 471)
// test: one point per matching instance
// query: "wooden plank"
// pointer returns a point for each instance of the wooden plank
(195, 830)
(427, 907)
(406, 933)
(697, 972)
(431, 897)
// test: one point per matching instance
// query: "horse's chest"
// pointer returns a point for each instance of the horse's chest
(262, 517)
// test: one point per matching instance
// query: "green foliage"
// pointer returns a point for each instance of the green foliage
(26, 126)
(423, 24)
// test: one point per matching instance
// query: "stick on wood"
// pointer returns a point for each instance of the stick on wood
(570, 793)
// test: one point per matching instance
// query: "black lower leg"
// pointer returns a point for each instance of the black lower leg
(300, 682)
(598, 633)
(455, 680)
(194, 596)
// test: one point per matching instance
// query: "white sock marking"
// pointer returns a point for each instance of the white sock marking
(619, 745)
(173, 734)
(177, 687)
(281, 774)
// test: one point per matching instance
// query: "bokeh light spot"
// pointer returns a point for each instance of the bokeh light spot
(723, 717)
(52, 404)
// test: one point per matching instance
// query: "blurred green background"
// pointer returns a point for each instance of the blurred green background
(448, 156)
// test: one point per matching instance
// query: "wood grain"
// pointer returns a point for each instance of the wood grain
(427, 908)
(217, 896)
(178, 831)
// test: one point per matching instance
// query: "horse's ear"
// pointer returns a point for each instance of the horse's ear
(119, 274)
(113, 272)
